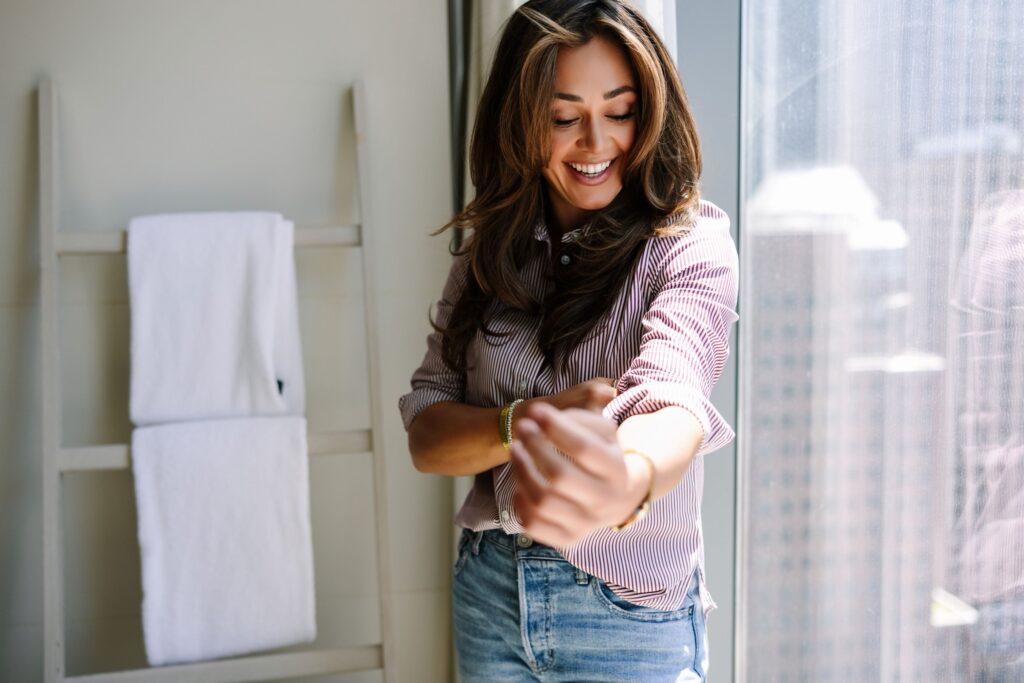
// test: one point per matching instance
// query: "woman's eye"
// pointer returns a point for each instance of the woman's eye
(565, 123)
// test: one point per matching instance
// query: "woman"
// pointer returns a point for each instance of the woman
(588, 317)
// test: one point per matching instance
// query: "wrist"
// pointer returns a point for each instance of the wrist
(640, 479)
(505, 419)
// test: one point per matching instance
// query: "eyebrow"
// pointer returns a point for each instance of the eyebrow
(608, 95)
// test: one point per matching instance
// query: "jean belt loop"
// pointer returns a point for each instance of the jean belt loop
(477, 537)
(582, 578)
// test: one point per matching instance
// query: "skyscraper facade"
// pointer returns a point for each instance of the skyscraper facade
(876, 129)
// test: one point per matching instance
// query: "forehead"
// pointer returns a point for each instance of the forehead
(596, 67)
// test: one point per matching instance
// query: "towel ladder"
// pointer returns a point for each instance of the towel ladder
(57, 459)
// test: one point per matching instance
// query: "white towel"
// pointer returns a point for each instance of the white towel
(214, 319)
(219, 451)
(227, 560)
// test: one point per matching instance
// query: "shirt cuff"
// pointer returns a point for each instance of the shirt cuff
(418, 400)
(651, 397)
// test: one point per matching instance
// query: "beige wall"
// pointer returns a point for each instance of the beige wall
(183, 105)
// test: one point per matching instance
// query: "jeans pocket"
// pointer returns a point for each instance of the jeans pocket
(630, 610)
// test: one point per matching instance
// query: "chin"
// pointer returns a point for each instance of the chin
(593, 203)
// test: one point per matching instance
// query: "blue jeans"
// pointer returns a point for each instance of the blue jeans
(523, 613)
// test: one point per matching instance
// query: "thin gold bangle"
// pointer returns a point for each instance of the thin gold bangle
(501, 425)
(645, 505)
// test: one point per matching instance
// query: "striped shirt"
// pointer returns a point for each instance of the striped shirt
(665, 340)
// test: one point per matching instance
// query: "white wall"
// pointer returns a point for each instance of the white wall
(175, 105)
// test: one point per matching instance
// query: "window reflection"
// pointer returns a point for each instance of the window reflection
(988, 308)
(882, 358)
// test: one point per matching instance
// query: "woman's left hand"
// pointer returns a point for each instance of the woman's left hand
(559, 499)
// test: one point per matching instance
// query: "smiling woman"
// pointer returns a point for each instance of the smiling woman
(577, 341)
(594, 129)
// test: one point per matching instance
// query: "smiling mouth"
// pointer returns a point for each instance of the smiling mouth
(591, 171)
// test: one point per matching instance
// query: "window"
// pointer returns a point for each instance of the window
(882, 350)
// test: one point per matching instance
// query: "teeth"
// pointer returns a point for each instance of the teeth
(591, 169)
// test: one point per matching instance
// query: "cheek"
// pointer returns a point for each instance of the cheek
(627, 138)
(560, 145)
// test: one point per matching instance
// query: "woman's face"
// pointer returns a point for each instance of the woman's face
(593, 123)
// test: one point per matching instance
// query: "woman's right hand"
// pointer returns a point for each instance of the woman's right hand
(458, 439)
(593, 395)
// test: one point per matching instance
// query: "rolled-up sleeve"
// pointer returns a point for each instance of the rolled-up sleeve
(433, 381)
(685, 333)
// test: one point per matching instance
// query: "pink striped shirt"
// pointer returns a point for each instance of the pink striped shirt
(666, 339)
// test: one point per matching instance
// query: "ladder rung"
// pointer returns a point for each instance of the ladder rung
(264, 667)
(87, 242)
(116, 456)
(331, 443)
(337, 236)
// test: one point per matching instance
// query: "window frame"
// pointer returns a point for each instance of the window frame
(710, 51)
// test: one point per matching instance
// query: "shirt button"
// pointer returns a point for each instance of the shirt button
(505, 516)
(565, 259)
(523, 386)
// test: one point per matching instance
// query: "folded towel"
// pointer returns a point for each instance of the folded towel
(227, 558)
(214, 319)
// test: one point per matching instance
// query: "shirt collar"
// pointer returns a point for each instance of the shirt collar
(540, 230)
(540, 233)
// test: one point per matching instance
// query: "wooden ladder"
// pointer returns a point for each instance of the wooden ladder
(57, 459)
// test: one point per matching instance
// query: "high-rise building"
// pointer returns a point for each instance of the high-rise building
(876, 128)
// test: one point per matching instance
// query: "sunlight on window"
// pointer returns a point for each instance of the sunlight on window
(882, 358)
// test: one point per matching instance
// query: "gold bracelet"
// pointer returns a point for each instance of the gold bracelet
(645, 504)
(505, 422)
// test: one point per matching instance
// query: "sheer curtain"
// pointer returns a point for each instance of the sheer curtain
(882, 349)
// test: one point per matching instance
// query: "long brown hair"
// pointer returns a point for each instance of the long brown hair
(511, 144)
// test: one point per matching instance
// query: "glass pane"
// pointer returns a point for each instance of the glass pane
(882, 348)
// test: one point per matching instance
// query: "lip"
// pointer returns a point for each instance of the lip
(587, 180)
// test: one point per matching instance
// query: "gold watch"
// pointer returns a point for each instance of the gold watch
(645, 504)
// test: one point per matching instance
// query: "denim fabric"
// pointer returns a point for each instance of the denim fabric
(522, 612)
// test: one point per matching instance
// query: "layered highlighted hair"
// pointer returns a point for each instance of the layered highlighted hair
(510, 146)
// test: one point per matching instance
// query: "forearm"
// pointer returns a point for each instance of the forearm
(456, 439)
(670, 436)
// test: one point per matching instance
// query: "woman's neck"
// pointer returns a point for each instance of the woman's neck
(562, 217)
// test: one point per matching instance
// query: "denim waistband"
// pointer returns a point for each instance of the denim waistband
(520, 545)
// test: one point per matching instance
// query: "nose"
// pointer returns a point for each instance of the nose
(594, 134)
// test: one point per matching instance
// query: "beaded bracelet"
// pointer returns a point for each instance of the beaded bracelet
(505, 423)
